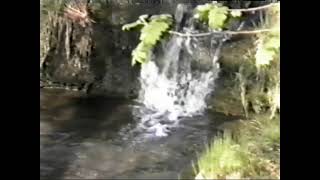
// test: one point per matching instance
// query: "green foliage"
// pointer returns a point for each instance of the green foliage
(213, 14)
(202, 12)
(259, 87)
(151, 33)
(255, 143)
(267, 49)
(141, 53)
(269, 43)
(222, 158)
(254, 72)
(268, 57)
(217, 17)
(251, 151)
(152, 30)
(258, 77)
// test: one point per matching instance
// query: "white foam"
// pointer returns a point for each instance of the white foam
(173, 89)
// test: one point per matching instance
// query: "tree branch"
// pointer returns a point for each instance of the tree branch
(254, 9)
(220, 32)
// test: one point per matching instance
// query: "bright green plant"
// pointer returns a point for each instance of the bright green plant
(253, 150)
(268, 50)
(269, 43)
(151, 29)
(255, 143)
(215, 15)
(223, 158)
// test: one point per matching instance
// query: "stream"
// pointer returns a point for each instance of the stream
(90, 138)
(158, 135)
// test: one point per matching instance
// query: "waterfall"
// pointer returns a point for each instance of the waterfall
(176, 82)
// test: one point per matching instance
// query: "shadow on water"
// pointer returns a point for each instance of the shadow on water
(78, 118)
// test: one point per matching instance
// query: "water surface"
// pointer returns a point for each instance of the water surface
(94, 137)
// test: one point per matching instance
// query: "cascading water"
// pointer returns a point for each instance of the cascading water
(176, 82)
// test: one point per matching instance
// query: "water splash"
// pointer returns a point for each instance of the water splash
(176, 83)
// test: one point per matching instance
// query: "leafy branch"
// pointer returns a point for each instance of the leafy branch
(151, 29)
(214, 14)
(268, 44)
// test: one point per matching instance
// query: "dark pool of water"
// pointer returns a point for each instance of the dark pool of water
(90, 137)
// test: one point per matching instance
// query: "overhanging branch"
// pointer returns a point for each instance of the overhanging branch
(220, 32)
(255, 8)
(230, 32)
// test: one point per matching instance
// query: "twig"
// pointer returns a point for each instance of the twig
(220, 32)
(142, 18)
(254, 9)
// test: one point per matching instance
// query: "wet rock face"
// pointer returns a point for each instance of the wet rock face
(97, 58)
(67, 59)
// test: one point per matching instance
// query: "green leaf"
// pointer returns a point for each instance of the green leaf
(141, 53)
(152, 32)
(217, 17)
(202, 12)
(213, 14)
(267, 50)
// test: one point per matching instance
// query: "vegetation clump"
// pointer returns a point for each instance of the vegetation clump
(252, 148)
(152, 30)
